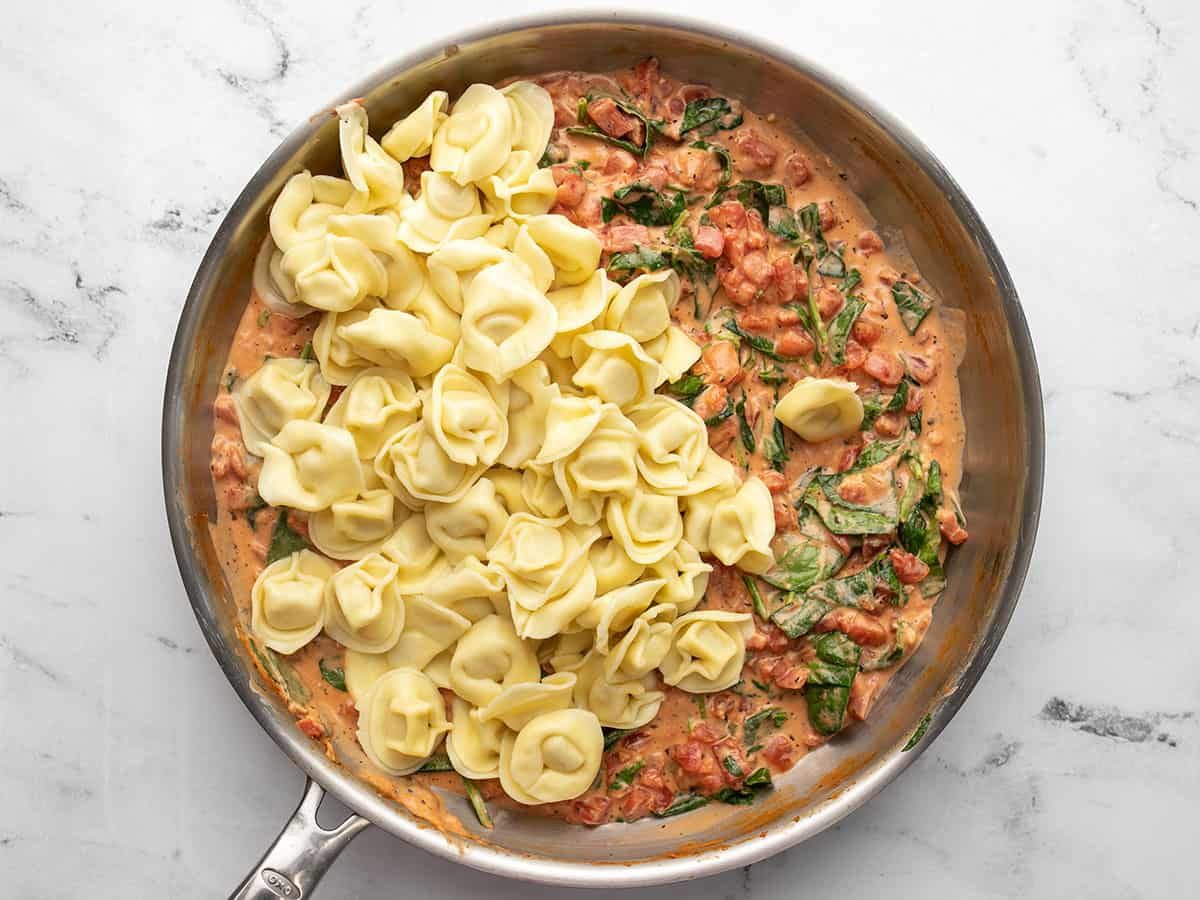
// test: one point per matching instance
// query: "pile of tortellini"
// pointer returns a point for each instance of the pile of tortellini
(509, 491)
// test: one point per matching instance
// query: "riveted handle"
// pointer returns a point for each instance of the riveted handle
(295, 863)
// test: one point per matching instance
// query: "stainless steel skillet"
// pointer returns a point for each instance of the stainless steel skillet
(908, 191)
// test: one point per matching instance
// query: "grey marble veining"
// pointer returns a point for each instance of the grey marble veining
(130, 769)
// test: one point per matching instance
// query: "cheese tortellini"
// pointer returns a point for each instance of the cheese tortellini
(819, 409)
(281, 391)
(288, 601)
(520, 516)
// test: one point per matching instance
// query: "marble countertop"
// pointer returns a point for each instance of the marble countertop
(130, 768)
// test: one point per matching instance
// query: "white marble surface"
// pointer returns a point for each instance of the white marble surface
(129, 768)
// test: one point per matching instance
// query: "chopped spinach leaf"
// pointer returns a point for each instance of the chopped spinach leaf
(644, 205)
(837, 649)
(284, 541)
(754, 195)
(775, 447)
(852, 280)
(263, 318)
(687, 389)
(588, 128)
(281, 673)
(854, 590)
(722, 156)
(812, 242)
(613, 735)
(555, 153)
(773, 377)
(625, 777)
(827, 674)
(913, 305)
(720, 417)
(803, 564)
(756, 600)
(900, 398)
(769, 717)
(914, 422)
(875, 453)
(760, 777)
(257, 505)
(683, 803)
(476, 800)
(839, 329)
(842, 517)
(701, 705)
(708, 115)
(336, 677)
(230, 380)
(781, 221)
(439, 762)
(732, 767)
(306, 352)
(747, 435)
(831, 265)
(643, 259)
(827, 707)
(919, 733)
(798, 617)
(765, 688)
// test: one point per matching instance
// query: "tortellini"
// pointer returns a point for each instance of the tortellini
(647, 525)
(489, 658)
(629, 703)
(519, 514)
(413, 135)
(364, 610)
(743, 527)
(310, 466)
(545, 566)
(468, 420)
(281, 391)
(473, 745)
(642, 309)
(414, 464)
(819, 409)
(673, 442)
(614, 367)
(708, 648)
(507, 322)
(374, 406)
(555, 757)
(401, 720)
(352, 529)
(287, 602)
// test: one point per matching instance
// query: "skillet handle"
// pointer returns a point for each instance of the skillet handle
(293, 865)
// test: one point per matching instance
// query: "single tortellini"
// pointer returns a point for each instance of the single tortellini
(397, 340)
(533, 116)
(454, 265)
(630, 703)
(419, 561)
(553, 758)
(644, 645)
(642, 309)
(546, 569)
(287, 602)
(334, 272)
(673, 442)
(580, 308)
(301, 212)
(429, 629)
(489, 658)
(616, 611)
(647, 525)
(569, 422)
(427, 306)
(471, 589)
(612, 565)
(743, 527)
(310, 466)
(614, 367)
(414, 464)
(508, 483)
(280, 391)
(566, 652)
(517, 704)
(339, 361)
(574, 250)
(378, 179)
(603, 466)
(530, 393)
(520, 190)
(684, 575)
(530, 254)
(475, 140)
(413, 135)
(352, 529)
(506, 322)
(473, 745)
(718, 481)
(401, 720)
(819, 409)
(540, 491)
(708, 648)
(364, 610)
(469, 526)
(444, 211)
(674, 351)
(468, 418)
(374, 406)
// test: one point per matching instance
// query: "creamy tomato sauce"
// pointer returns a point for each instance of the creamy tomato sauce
(762, 311)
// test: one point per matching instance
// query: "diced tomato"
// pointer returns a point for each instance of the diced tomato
(829, 301)
(921, 368)
(867, 330)
(721, 363)
(614, 122)
(780, 752)
(710, 402)
(856, 355)
(729, 216)
(884, 367)
(709, 242)
(909, 569)
(693, 757)
(858, 626)
(619, 162)
(785, 514)
(706, 733)
(592, 810)
(869, 242)
(948, 525)
(623, 238)
(759, 155)
(776, 482)
(794, 342)
(311, 727)
(864, 690)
